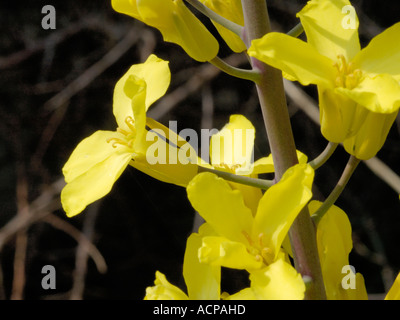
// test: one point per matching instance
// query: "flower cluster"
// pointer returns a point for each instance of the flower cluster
(248, 220)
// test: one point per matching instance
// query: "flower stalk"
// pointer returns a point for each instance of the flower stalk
(337, 191)
(252, 75)
(277, 122)
(248, 181)
(324, 156)
(235, 28)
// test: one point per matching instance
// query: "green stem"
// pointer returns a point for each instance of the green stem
(252, 182)
(324, 156)
(337, 191)
(234, 27)
(277, 122)
(296, 31)
(252, 75)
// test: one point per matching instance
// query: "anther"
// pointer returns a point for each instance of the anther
(268, 254)
(130, 122)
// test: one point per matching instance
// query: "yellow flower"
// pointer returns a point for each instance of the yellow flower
(202, 280)
(334, 245)
(233, 11)
(232, 150)
(176, 23)
(278, 281)
(359, 90)
(99, 160)
(245, 241)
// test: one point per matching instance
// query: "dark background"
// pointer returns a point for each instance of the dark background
(142, 225)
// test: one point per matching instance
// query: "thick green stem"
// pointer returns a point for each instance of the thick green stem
(277, 122)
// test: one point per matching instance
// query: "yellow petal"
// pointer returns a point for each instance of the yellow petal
(278, 281)
(334, 245)
(298, 59)
(251, 195)
(245, 294)
(141, 85)
(233, 11)
(371, 136)
(94, 183)
(179, 25)
(263, 165)
(128, 7)
(266, 164)
(161, 161)
(379, 93)
(89, 152)
(220, 206)
(164, 290)
(394, 292)
(220, 251)
(330, 30)
(277, 210)
(233, 145)
(202, 280)
(340, 117)
(382, 55)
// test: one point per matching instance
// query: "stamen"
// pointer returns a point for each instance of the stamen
(260, 239)
(116, 141)
(268, 255)
(130, 122)
(124, 132)
(247, 237)
(347, 77)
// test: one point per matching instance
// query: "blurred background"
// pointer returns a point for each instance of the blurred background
(56, 88)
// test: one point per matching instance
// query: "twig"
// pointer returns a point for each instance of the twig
(82, 252)
(47, 202)
(202, 75)
(94, 253)
(54, 38)
(93, 72)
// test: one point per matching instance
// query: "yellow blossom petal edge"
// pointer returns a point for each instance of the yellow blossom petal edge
(231, 149)
(382, 55)
(219, 251)
(233, 11)
(202, 280)
(328, 30)
(334, 245)
(92, 184)
(378, 93)
(164, 290)
(371, 136)
(298, 59)
(222, 207)
(278, 281)
(277, 211)
(153, 75)
(176, 23)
